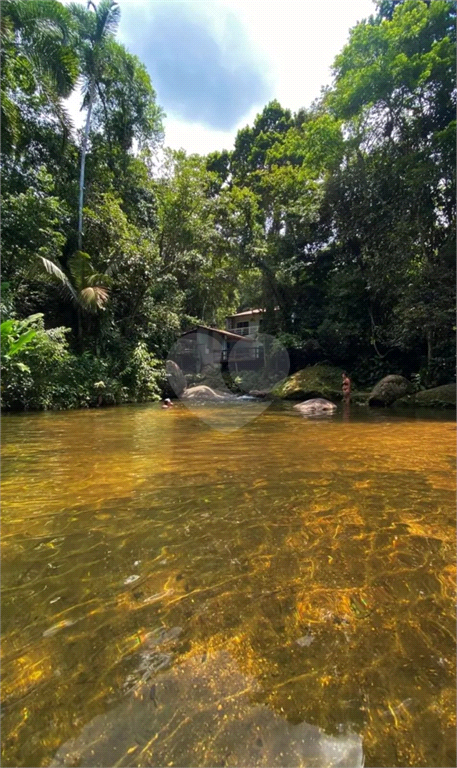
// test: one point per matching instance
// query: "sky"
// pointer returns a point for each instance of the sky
(215, 64)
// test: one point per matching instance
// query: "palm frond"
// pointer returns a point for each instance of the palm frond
(108, 15)
(93, 298)
(56, 61)
(52, 269)
(34, 17)
(60, 112)
(101, 279)
(56, 272)
(80, 268)
(85, 19)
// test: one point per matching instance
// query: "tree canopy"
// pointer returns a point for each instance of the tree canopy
(338, 220)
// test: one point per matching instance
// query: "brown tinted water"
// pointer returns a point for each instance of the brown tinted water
(280, 595)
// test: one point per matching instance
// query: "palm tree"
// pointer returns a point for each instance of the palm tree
(37, 55)
(97, 26)
(84, 286)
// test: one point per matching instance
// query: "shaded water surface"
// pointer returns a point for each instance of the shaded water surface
(280, 595)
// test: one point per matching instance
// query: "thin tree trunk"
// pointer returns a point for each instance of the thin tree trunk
(429, 348)
(83, 166)
(80, 329)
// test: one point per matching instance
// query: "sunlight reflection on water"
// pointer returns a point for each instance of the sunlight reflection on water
(309, 566)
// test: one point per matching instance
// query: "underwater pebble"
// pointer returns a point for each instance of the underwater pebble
(305, 641)
(131, 579)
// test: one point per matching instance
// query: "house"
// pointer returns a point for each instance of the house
(245, 323)
(203, 346)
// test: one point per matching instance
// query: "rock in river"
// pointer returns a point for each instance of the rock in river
(438, 397)
(315, 381)
(389, 389)
(203, 392)
(176, 378)
(315, 405)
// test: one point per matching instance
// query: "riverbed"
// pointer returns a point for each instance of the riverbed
(177, 593)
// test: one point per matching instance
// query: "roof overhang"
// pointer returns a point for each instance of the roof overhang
(217, 332)
(246, 313)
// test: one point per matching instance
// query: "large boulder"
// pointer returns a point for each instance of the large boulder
(389, 389)
(315, 381)
(315, 406)
(438, 397)
(175, 377)
(204, 393)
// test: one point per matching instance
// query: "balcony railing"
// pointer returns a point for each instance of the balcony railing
(246, 331)
(255, 353)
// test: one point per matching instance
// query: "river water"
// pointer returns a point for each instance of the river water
(282, 594)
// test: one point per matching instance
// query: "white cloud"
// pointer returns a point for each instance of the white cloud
(296, 41)
(299, 39)
(195, 138)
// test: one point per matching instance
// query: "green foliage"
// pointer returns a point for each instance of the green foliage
(44, 374)
(144, 376)
(339, 220)
(15, 336)
(32, 225)
(36, 377)
(37, 57)
(126, 109)
(97, 26)
(87, 288)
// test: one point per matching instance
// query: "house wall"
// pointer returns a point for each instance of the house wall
(207, 348)
(253, 320)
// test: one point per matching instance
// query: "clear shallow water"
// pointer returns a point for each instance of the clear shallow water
(283, 594)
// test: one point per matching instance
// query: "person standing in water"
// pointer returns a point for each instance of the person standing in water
(346, 387)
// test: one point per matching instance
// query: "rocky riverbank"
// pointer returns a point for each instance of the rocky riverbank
(324, 381)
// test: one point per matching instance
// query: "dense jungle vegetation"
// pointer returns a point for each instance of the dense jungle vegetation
(342, 215)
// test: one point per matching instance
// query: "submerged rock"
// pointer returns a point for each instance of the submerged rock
(389, 389)
(161, 722)
(315, 405)
(305, 641)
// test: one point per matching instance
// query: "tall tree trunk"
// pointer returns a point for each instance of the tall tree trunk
(83, 165)
(429, 347)
(80, 329)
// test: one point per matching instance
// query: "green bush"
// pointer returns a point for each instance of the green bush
(45, 375)
(32, 379)
(144, 377)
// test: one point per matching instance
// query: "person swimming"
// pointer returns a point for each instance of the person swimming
(167, 403)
